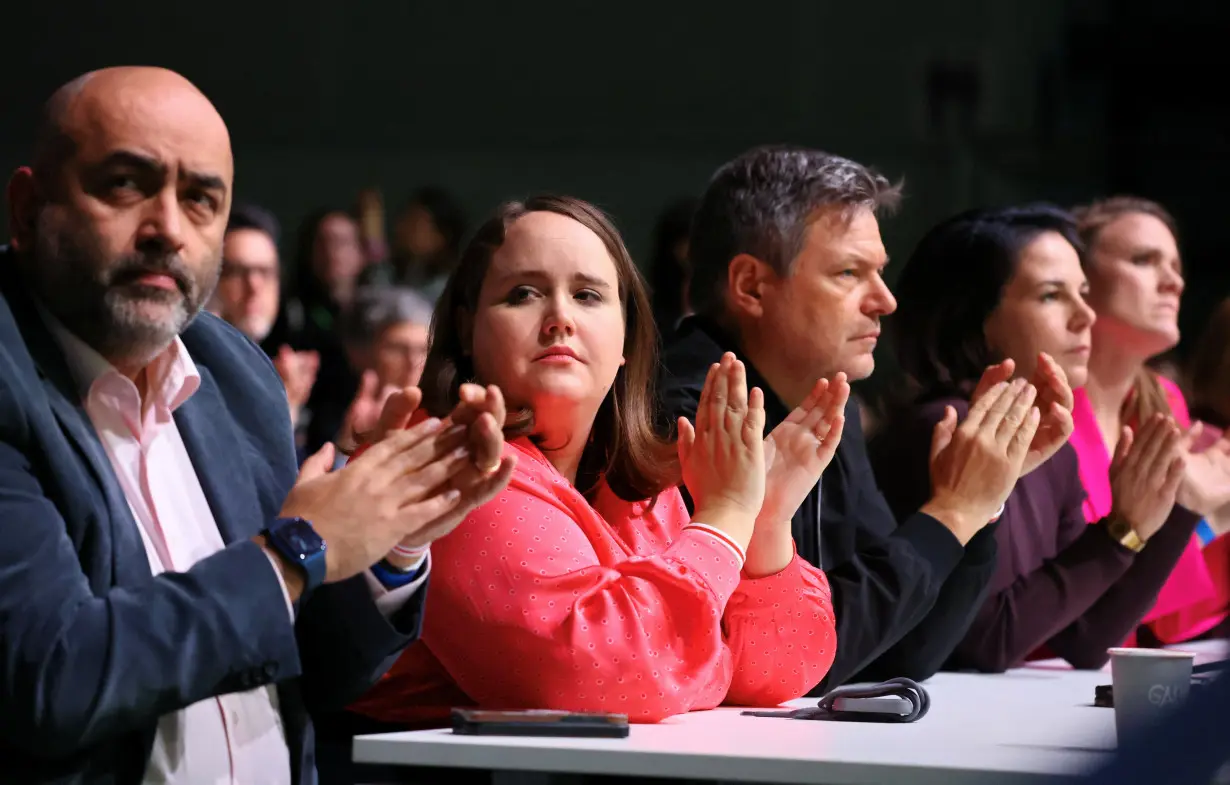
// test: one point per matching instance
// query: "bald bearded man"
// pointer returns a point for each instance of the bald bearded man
(175, 594)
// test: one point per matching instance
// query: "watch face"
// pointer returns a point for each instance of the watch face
(301, 538)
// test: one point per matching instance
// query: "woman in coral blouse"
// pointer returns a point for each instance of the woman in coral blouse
(1135, 280)
(585, 586)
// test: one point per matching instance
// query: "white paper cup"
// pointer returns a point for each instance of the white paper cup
(1147, 685)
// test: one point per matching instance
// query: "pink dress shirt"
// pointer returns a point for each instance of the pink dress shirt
(1191, 601)
(232, 739)
(542, 600)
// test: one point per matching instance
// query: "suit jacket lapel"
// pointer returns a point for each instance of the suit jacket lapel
(217, 451)
(128, 552)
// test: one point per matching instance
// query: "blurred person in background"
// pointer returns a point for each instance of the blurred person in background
(369, 211)
(248, 296)
(385, 333)
(402, 323)
(328, 259)
(249, 286)
(668, 273)
(1135, 283)
(425, 245)
(1006, 287)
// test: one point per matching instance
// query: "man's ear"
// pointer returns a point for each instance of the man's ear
(746, 278)
(24, 202)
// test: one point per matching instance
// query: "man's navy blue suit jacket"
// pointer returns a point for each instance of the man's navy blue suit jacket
(93, 649)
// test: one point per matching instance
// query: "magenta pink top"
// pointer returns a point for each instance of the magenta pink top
(1192, 601)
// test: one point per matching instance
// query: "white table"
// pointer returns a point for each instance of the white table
(1025, 726)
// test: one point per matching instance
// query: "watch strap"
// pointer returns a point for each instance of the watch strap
(298, 544)
(1121, 531)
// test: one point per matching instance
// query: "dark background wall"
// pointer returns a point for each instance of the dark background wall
(632, 104)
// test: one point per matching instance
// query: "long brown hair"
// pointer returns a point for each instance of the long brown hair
(624, 447)
(1210, 370)
(1146, 397)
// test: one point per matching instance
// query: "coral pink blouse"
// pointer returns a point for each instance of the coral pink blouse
(1192, 601)
(540, 600)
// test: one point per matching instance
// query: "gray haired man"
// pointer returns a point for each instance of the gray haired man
(787, 266)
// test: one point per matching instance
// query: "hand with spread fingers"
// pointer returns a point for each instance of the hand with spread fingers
(722, 457)
(799, 449)
(479, 415)
(362, 419)
(797, 452)
(392, 492)
(481, 412)
(1206, 482)
(1145, 474)
(298, 371)
(1055, 402)
(976, 464)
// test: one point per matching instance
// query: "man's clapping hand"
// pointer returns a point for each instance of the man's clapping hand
(411, 486)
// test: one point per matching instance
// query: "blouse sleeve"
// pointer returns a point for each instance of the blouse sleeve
(782, 634)
(524, 614)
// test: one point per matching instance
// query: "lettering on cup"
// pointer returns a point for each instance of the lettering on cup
(1162, 695)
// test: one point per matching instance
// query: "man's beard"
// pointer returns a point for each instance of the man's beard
(100, 301)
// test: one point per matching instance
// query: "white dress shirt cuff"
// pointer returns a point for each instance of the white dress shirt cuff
(277, 570)
(388, 601)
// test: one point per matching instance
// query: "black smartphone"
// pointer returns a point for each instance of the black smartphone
(478, 722)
